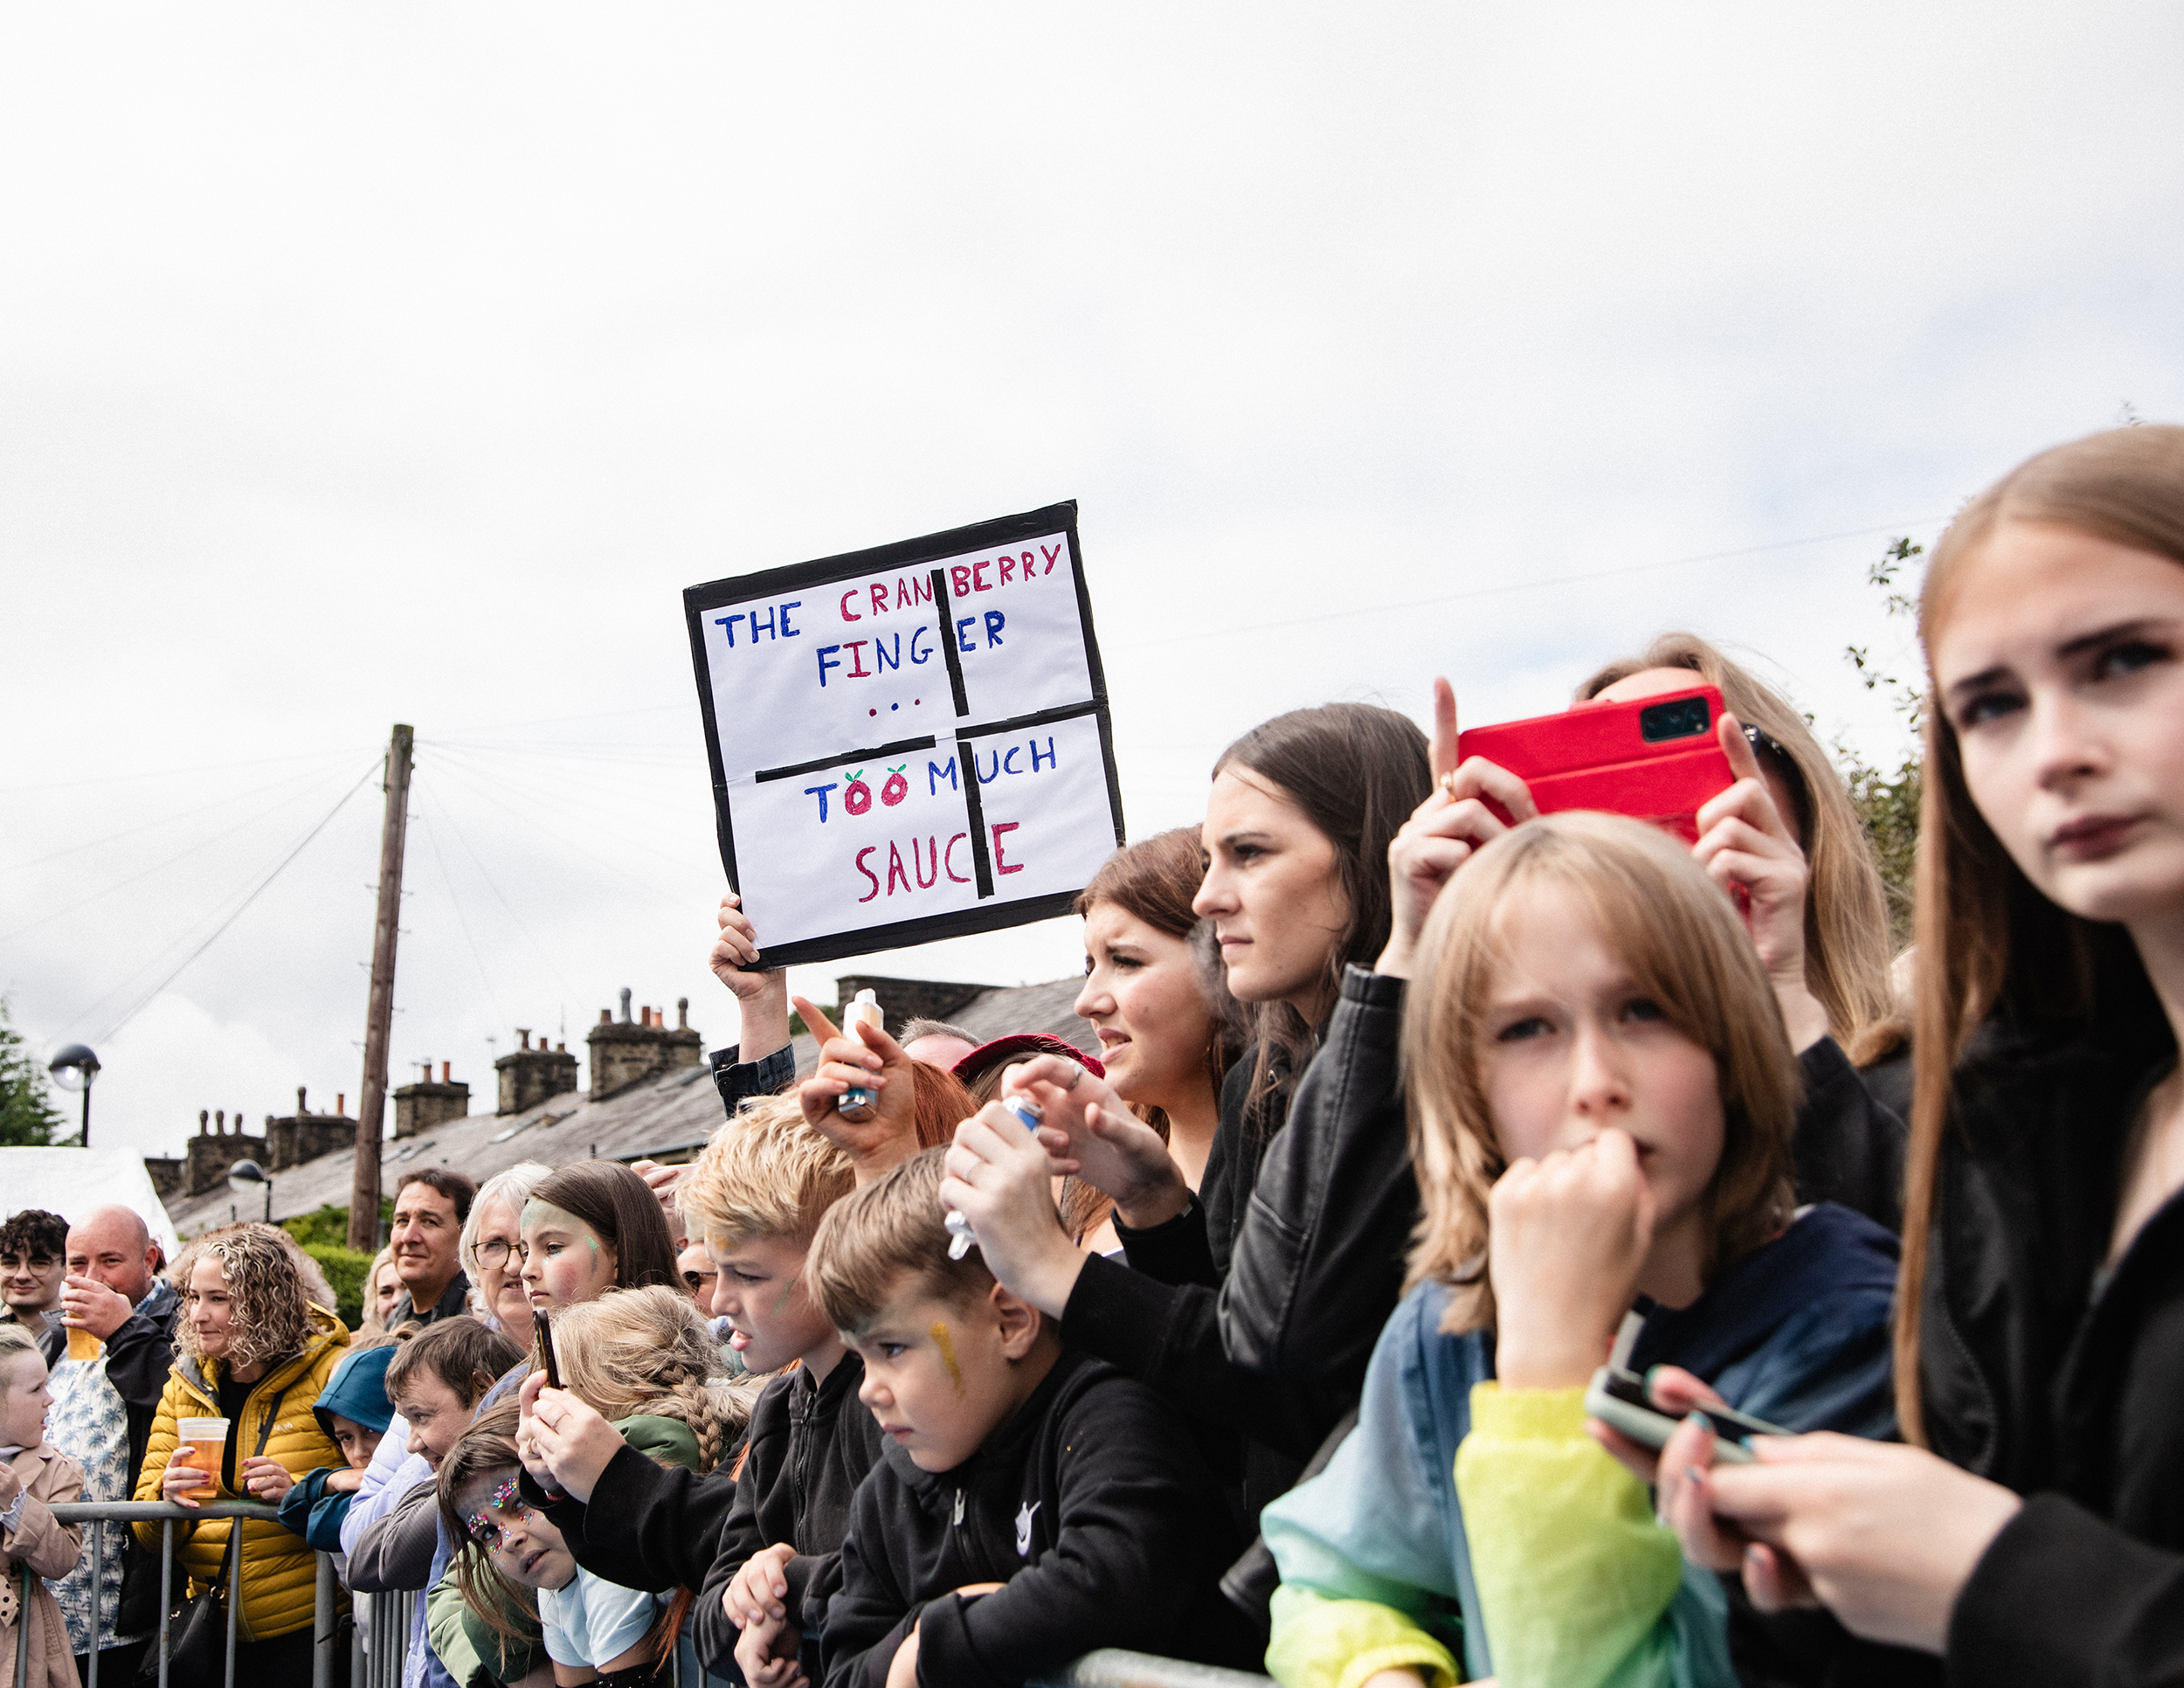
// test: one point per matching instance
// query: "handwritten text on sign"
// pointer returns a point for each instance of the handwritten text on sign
(914, 737)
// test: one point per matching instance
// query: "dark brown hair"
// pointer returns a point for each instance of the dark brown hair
(482, 1453)
(465, 1354)
(622, 1208)
(1989, 943)
(34, 1232)
(1355, 771)
(459, 1187)
(1156, 879)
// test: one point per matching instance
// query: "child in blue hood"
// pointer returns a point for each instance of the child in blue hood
(355, 1412)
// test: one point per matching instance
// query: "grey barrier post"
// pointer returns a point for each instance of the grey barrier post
(234, 1592)
(166, 1590)
(98, 1593)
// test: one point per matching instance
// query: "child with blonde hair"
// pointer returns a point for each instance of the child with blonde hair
(761, 1543)
(34, 1476)
(1602, 1096)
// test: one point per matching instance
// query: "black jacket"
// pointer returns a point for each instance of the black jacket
(2039, 1374)
(647, 1525)
(1849, 1144)
(453, 1302)
(1161, 1318)
(807, 1450)
(1089, 1504)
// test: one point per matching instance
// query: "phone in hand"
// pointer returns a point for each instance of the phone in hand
(1619, 1399)
(1655, 758)
(544, 1326)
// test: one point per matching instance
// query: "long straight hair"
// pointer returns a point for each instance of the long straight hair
(1666, 922)
(1846, 911)
(1356, 771)
(622, 1208)
(1990, 944)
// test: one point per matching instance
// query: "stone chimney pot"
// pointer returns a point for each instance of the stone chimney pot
(682, 1014)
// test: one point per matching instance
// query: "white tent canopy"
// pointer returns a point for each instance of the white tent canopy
(73, 1181)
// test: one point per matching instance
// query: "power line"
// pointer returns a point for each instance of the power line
(158, 773)
(138, 1006)
(463, 920)
(157, 867)
(1229, 628)
(93, 844)
(537, 949)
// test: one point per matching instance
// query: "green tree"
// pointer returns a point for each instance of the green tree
(1888, 802)
(27, 1114)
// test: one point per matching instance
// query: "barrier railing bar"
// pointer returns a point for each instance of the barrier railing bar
(1114, 1667)
(22, 1632)
(234, 1594)
(166, 1590)
(382, 1638)
(98, 1593)
(323, 1627)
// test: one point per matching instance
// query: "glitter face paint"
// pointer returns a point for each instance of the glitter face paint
(939, 1333)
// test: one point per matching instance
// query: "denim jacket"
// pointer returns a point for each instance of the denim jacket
(1530, 1552)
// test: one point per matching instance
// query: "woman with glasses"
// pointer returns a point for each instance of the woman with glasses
(489, 1249)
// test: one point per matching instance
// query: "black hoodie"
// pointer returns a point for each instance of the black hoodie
(1090, 1503)
(809, 1447)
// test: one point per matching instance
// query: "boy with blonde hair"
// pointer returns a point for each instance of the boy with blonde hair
(761, 1541)
(1031, 1503)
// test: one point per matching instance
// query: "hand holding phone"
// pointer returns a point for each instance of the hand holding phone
(544, 1327)
(1653, 758)
(1620, 1400)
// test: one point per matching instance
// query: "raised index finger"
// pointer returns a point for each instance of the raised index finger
(820, 1026)
(1443, 749)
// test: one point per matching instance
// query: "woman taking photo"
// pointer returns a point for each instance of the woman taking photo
(253, 1350)
(2039, 1344)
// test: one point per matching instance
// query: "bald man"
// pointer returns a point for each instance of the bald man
(102, 1417)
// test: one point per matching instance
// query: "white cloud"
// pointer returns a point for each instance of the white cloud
(406, 365)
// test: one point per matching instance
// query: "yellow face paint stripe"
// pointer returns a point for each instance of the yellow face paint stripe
(939, 1333)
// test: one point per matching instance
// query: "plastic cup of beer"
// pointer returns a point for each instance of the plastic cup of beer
(206, 1440)
(84, 1344)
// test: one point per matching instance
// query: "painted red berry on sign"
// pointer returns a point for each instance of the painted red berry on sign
(896, 789)
(857, 796)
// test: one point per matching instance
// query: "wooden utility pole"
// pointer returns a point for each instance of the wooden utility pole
(364, 1196)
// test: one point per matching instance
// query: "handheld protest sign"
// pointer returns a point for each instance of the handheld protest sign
(908, 743)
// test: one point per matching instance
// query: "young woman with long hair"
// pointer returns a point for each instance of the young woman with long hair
(2037, 1536)
(590, 1228)
(1168, 1031)
(1295, 889)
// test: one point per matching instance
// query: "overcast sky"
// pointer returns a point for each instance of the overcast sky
(404, 363)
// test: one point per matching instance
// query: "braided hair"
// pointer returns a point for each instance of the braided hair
(650, 1351)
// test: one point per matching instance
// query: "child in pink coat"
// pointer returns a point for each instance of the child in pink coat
(33, 1476)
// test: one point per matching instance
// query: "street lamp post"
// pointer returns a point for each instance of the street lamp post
(74, 1068)
(245, 1176)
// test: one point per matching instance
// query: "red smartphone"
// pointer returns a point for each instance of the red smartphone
(1655, 759)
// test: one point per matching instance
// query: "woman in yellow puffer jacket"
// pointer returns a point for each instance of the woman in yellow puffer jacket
(253, 1349)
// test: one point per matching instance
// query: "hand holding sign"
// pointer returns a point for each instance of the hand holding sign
(909, 742)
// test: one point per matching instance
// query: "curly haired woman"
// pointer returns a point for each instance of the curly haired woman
(249, 1343)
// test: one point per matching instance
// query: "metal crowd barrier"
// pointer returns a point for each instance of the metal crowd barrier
(380, 1641)
(98, 1514)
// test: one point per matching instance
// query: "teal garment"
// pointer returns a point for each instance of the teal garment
(1402, 1552)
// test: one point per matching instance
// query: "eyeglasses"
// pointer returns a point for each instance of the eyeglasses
(493, 1253)
(479, 1525)
(696, 1281)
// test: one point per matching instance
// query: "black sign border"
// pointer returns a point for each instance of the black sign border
(930, 547)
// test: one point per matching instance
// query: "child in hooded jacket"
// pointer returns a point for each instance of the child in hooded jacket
(34, 1478)
(355, 1413)
(1602, 1096)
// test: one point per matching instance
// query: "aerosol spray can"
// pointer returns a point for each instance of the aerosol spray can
(859, 1105)
(960, 1236)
